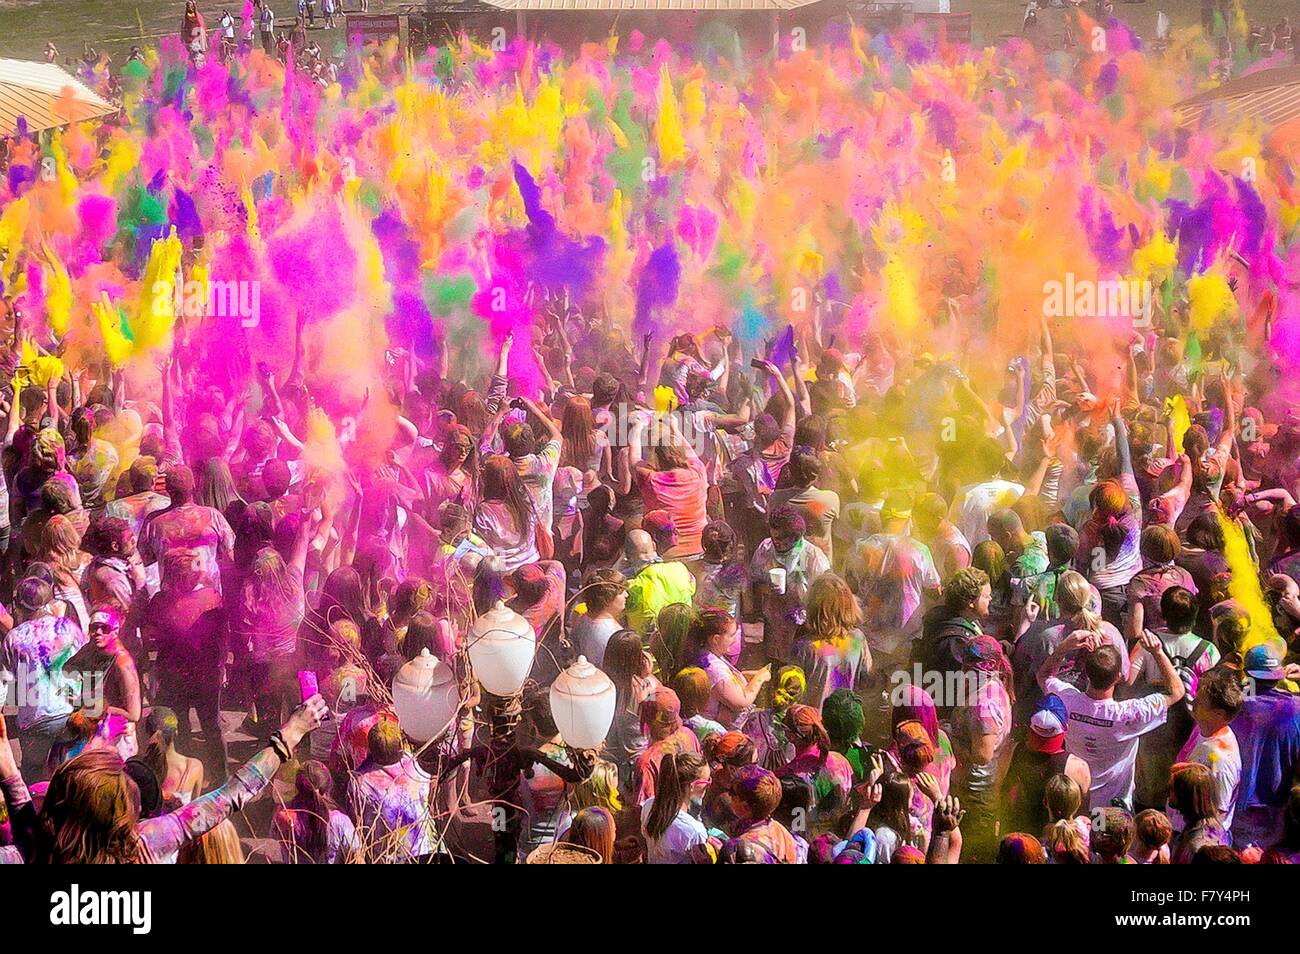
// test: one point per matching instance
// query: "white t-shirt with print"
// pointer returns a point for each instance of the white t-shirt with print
(1222, 756)
(1104, 733)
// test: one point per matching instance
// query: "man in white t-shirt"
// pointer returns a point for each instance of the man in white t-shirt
(1102, 731)
(1212, 743)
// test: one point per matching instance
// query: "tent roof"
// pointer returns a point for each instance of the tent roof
(649, 5)
(46, 95)
(1270, 96)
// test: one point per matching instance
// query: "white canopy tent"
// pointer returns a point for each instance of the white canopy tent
(46, 96)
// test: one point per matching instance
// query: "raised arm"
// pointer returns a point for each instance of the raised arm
(1174, 690)
(1053, 663)
(15, 411)
(539, 414)
(496, 395)
(167, 834)
(788, 421)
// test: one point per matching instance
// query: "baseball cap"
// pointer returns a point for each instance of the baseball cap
(1050, 717)
(1264, 662)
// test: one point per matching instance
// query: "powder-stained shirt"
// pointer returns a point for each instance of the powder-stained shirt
(820, 510)
(191, 532)
(831, 664)
(783, 613)
(653, 588)
(1149, 585)
(394, 800)
(1268, 731)
(513, 546)
(683, 494)
(537, 471)
(136, 508)
(35, 653)
(972, 506)
(1222, 756)
(891, 573)
(768, 843)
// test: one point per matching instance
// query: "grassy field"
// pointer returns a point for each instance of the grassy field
(26, 25)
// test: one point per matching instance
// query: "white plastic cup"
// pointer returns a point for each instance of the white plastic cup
(776, 578)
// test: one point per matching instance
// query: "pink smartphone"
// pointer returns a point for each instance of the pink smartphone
(308, 686)
(111, 727)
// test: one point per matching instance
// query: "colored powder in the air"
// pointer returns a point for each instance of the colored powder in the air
(314, 264)
(1244, 585)
(657, 286)
(668, 130)
(1210, 299)
(1179, 420)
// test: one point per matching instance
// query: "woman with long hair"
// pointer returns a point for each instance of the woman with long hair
(891, 818)
(310, 828)
(671, 831)
(1192, 793)
(194, 34)
(628, 667)
(816, 762)
(61, 550)
(673, 480)
(669, 641)
(215, 486)
(90, 814)
(829, 646)
(268, 613)
(593, 828)
(582, 446)
(712, 639)
(342, 598)
(456, 478)
(181, 777)
(505, 517)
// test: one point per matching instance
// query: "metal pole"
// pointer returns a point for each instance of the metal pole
(504, 776)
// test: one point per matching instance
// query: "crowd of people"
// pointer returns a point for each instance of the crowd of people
(773, 600)
(859, 602)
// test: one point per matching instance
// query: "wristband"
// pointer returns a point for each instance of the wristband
(276, 742)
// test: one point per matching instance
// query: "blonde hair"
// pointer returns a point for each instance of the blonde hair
(61, 548)
(219, 846)
(1065, 843)
(1074, 593)
(599, 789)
